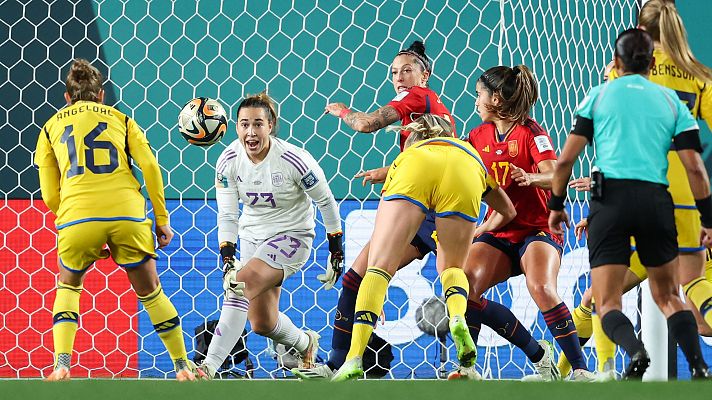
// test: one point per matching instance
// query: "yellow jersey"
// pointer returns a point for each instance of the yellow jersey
(84, 154)
(697, 95)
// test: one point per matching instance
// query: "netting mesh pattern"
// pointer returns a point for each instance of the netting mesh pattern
(159, 55)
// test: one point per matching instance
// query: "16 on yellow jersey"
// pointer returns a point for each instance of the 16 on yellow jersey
(91, 145)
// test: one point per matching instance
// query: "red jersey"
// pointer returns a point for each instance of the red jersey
(525, 146)
(416, 101)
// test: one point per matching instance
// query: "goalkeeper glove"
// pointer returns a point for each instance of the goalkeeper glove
(231, 267)
(335, 261)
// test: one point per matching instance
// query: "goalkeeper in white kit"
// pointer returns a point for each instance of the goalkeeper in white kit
(276, 182)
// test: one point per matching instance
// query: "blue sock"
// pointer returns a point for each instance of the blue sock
(502, 320)
(562, 327)
(344, 319)
(473, 316)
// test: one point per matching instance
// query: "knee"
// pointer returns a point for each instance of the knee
(147, 287)
(261, 326)
(544, 294)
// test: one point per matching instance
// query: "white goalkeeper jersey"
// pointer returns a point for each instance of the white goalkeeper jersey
(275, 193)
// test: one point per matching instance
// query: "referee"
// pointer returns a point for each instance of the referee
(631, 123)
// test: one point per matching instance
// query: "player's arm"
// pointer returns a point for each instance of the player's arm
(364, 122)
(541, 179)
(688, 147)
(314, 183)
(140, 150)
(49, 172)
(504, 210)
(542, 152)
(574, 145)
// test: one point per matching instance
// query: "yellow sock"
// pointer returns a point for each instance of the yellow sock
(700, 292)
(456, 288)
(369, 304)
(164, 318)
(605, 348)
(582, 320)
(65, 318)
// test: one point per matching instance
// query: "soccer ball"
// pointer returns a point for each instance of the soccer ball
(202, 121)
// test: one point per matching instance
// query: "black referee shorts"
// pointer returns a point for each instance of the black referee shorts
(643, 210)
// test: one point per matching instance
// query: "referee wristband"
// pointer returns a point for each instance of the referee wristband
(343, 113)
(704, 206)
(556, 203)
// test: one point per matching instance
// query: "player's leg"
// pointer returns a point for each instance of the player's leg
(266, 320)
(608, 285)
(681, 322)
(454, 239)
(540, 260)
(605, 348)
(397, 222)
(132, 247)
(258, 278)
(78, 247)
(163, 315)
(697, 288)
(583, 320)
(343, 320)
(487, 264)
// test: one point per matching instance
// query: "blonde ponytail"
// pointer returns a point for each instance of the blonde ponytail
(661, 19)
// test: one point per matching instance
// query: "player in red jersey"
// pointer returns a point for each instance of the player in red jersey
(410, 72)
(520, 156)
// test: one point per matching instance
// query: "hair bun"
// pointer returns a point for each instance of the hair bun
(417, 47)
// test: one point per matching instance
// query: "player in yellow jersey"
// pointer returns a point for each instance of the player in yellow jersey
(440, 173)
(675, 67)
(84, 155)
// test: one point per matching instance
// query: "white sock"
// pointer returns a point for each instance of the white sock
(233, 318)
(288, 334)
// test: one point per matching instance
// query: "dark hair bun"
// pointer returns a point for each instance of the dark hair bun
(417, 47)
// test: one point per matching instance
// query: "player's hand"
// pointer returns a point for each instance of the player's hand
(581, 229)
(520, 176)
(334, 109)
(706, 237)
(373, 176)
(231, 286)
(336, 261)
(581, 184)
(164, 234)
(555, 220)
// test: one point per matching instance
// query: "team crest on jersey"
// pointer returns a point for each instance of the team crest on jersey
(277, 179)
(513, 148)
(309, 180)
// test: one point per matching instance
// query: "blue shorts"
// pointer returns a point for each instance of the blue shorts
(515, 251)
(423, 240)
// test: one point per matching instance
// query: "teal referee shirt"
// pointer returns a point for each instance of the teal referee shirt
(633, 124)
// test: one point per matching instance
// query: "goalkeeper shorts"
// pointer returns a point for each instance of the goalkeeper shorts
(288, 251)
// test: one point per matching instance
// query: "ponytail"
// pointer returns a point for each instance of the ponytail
(517, 89)
(661, 19)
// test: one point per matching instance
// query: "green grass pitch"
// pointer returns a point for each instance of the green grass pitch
(99, 389)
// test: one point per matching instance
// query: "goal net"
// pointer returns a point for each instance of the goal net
(157, 56)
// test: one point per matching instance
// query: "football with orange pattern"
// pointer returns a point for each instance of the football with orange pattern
(202, 121)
